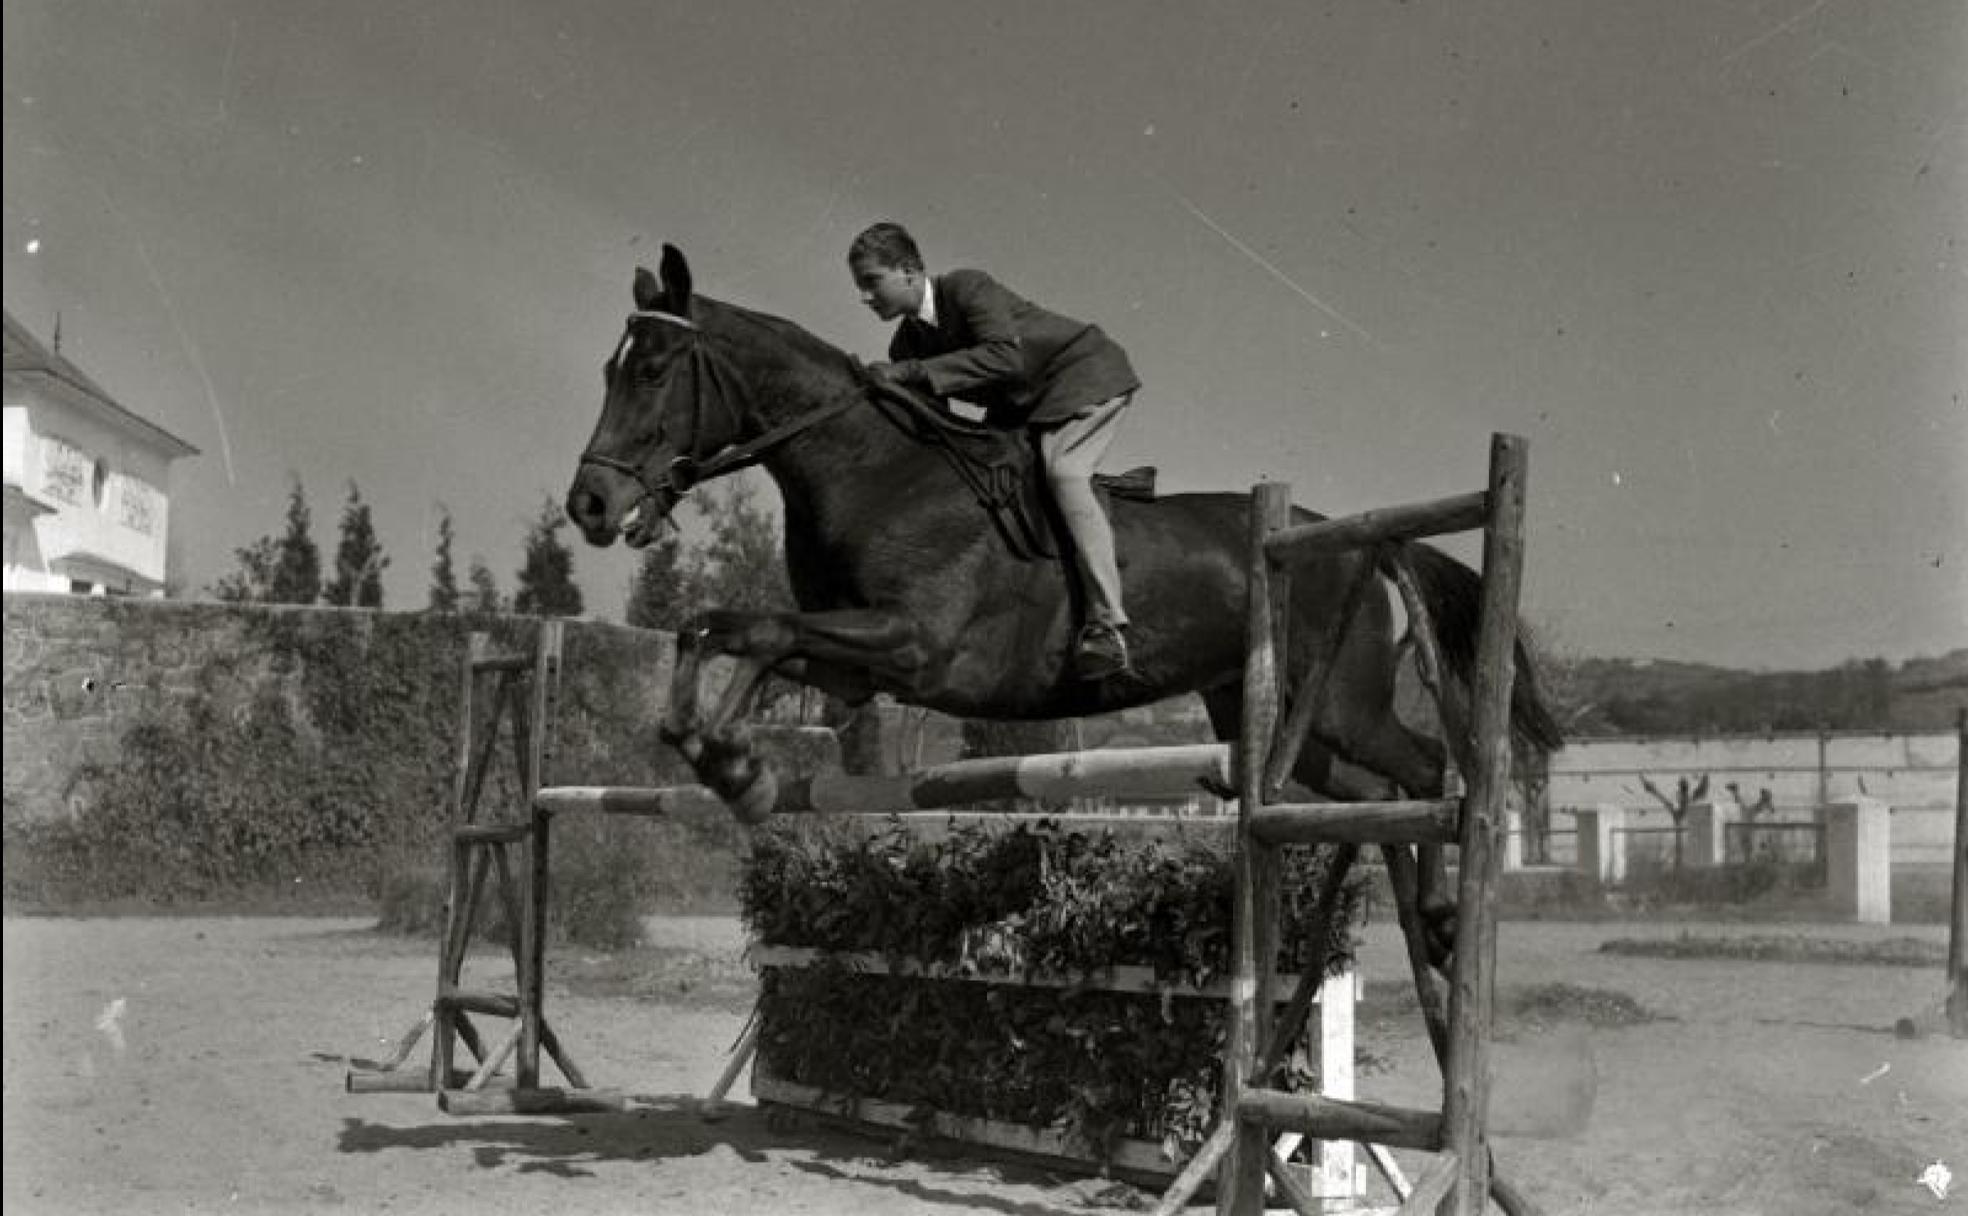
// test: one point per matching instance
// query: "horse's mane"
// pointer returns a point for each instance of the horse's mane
(803, 341)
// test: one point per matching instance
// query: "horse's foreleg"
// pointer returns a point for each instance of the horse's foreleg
(859, 648)
(680, 718)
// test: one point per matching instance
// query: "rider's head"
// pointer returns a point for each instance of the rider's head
(888, 270)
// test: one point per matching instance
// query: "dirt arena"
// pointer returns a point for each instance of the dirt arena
(195, 1065)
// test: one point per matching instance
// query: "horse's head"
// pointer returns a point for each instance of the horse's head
(671, 402)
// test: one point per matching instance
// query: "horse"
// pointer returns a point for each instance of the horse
(904, 586)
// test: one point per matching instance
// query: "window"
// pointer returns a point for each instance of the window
(137, 504)
(99, 481)
(66, 471)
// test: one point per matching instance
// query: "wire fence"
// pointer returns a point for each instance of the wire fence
(1788, 844)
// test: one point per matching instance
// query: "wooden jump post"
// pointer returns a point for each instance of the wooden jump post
(522, 691)
(1460, 1181)
(1957, 973)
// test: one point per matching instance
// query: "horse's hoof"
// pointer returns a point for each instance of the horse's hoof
(754, 804)
(1438, 930)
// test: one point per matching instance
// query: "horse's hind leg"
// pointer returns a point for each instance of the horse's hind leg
(1365, 728)
(1316, 769)
(1356, 683)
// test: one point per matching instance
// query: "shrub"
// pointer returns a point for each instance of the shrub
(1030, 898)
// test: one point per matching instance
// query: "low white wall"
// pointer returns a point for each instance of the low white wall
(1902, 770)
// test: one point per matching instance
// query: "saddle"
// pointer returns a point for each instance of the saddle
(1004, 472)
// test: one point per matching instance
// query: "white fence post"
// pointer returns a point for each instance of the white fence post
(1513, 840)
(1600, 852)
(1859, 859)
(1337, 1160)
(1706, 845)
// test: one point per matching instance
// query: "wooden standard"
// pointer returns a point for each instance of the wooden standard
(1460, 1181)
(519, 692)
(1957, 997)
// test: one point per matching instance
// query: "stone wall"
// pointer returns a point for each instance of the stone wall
(82, 672)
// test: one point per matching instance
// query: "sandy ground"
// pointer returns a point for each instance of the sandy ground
(1773, 1089)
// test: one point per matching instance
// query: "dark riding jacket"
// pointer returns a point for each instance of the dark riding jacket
(1025, 365)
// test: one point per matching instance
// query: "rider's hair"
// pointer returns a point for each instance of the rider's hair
(887, 244)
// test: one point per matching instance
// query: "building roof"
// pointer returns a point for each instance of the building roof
(31, 359)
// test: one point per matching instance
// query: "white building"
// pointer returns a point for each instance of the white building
(87, 481)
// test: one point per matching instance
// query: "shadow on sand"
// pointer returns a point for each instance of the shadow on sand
(570, 1147)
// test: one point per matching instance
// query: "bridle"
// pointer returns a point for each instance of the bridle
(714, 371)
(683, 472)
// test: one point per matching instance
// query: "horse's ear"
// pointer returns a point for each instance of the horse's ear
(647, 293)
(676, 280)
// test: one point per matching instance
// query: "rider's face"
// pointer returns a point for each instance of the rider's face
(889, 290)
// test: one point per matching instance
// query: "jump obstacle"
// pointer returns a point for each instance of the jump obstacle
(1240, 1150)
(522, 691)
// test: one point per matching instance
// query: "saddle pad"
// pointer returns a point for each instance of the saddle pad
(1137, 484)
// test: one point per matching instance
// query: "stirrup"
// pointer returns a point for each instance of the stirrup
(1100, 651)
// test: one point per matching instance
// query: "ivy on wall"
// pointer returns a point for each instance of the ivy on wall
(302, 747)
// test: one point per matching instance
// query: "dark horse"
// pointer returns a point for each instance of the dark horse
(906, 587)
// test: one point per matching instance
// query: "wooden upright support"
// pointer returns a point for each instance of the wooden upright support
(1957, 976)
(1254, 919)
(522, 693)
(1472, 992)
(1476, 729)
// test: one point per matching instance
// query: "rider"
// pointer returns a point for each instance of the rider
(964, 335)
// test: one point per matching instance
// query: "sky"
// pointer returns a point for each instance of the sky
(1708, 258)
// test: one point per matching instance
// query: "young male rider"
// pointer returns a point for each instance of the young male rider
(964, 335)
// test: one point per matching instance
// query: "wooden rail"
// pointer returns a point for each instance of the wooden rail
(1368, 528)
(1431, 822)
(1333, 1119)
(1135, 772)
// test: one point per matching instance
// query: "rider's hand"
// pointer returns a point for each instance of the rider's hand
(906, 374)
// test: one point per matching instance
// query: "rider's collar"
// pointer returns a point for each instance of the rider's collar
(927, 313)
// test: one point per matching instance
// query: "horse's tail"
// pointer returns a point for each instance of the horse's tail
(1454, 594)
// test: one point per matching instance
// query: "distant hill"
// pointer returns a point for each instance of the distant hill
(1598, 697)
(1631, 696)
